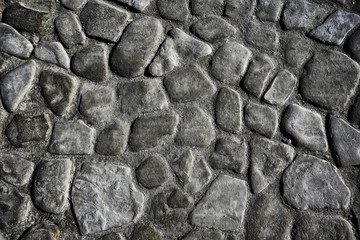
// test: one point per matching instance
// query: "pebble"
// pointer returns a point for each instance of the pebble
(353, 46)
(146, 232)
(178, 199)
(139, 5)
(269, 10)
(239, 8)
(312, 183)
(53, 52)
(297, 51)
(173, 9)
(281, 88)
(204, 7)
(152, 173)
(112, 140)
(261, 119)
(69, 29)
(262, 35)
(13, 43)
(42, 231)
(73, 4)
(204, 235)
(15, 169)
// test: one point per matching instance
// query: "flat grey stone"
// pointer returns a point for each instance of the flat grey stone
(113, 236)
(25, 130)
(104, 196)
(53, 52)
(15, 169)
(59, 90)
(188, 84)
(72, 137)
(203, 7)
(146, 232)
(196, 129)
(322, 82)
(228, 110)
(102, 20)
(230, 61)
(173, 9)
(213, 29)
(261, 119)
(16, 84)
(150, 131)
(13, 43)
(178, 199)
(269, 10)
(137, 47)
(336, 27)
(139, 5)
(312, 183)
(281, 88)
(91, 63)
(69, 29)
(353, 46)
(42, 231)
(152, 172)
(238, 8)
(73, 4)
(268, 160)
(112, 140)
(223, 206)
(52, 184)
(262, 35)
(297, 51)
(204, 235)
(258, 75)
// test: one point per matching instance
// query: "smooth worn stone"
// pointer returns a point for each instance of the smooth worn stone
(146, 232)
(103, 196)
(113, 236)
(15, 169)
(213, 29)
(297, 51)
(40, 5)
(91, 63)
(268, 160)
(230, 154)
(153, 172)
(203, 7)
(196, 129)
(313, 183)
(261, 119)
(353, 45)
(69, 29)
(258, 75)
(42, 231)
(281, 88)
(73, 4)
(239, 8)
(173, 9)
(24, 130)
(178, 199)
(58, 89)
(269, 10)
(16, 84)
(230, 62)
(53, 52)
(262, 35)
(204, 235)
(142, 96)
(72, 137)
(13, 43)
(150, 131)
(188, 84)
(323, 84)
(137, 47)
(223, 206)
(193, 173)
(51, 185)
(228, 112)
(102, 20)
(305, 127)
(336, 27)
(139, 5)
(112, 140)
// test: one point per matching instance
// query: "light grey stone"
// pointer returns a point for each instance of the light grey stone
(269, 10)
(203, 7)
(281, 88)
(173, 9)
(69, 29)
(205, 235)
(139, 5)
(104, 196)
(42, 231)
(261, 119)
(353, 46)
(152, 172)
(146, 232)
(312, 183)
(53, 52)
(15, 169)
(239, 8)
(73, 4)
(40, 5)
(178, 199)
(72, 137)
(112, 140)
(13, 43)
(223, 206)
(297, 51)
(262, 35)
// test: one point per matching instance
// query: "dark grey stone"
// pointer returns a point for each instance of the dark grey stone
(261, 119)
(15, 169)
(69, 29)
(204, 235)
(73, 4)
(354, 112)
(173, 9)
(139, 5)
(113, 236)
(262, 35)
(178, 199)
(53, 52)
(152, 172)
(281, 88)
(239, 8)
(112, 140)
(13, 43)
(353, 45)
(297, 51)
(42, 231)
(142, 232)
(203, 7)
(269, 10)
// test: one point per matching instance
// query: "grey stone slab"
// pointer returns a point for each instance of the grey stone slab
(15, 170)
(42, 231)
(262, 35)
(238, 8)
(69, 29)
(146, 232)
(269, 10)
(13, 43)
(205, 235)
(73, 4)
(203, 7)
(313, 183)
(153, 172)
(173, 9)
(139, 5)
(353, 45)
(261, 119)
(281, 88)
(112, 140)
(52, 52)
(178, 199)
(297, 50)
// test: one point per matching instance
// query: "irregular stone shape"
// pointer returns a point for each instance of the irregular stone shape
(59, 90)
(102, 20)
(40, 5)
(91, 63)
(213, 29)
(281, 88)
(196, 129)
(312, 183)
(16, 84)
(258, 75)
(72, 137)
(223, 205)
(24, 130)
(268, 160)
(354, 113)
(204, 235)
(262, 35)
(113, 236)
(69, 29)
(323, 84)
(228, 110)
(305, 127)
(142, 96)
(353, 46)
(150, 131)
(152, 173)
(138, 5)
(230, 61)
(239, 8)
(53, 52)
(15, 170)
(192, 173)
(188, 84)
(261, 119)
(297, 51)
(324, 227)
(146, 232)
(137, 47)
(13, 43)
(112, 140)
(203, 7)
(178, 199)
(104, 196)
(42, 231)
(51, 185)
(173, 9)
(269, 10)
(73, 4)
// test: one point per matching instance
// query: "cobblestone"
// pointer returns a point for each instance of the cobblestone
(12, 42)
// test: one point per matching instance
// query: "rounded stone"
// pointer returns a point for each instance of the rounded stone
(152, 173)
